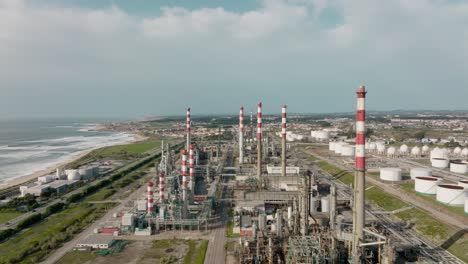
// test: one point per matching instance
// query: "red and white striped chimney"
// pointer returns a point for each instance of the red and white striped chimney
(191, 168)
(183, 169)
(259, 140)
(161, 186)
(241, 135)
(150, 197)
(360, 129)
(359, 178)
(283, 140)
(251, 127)
(188, 128)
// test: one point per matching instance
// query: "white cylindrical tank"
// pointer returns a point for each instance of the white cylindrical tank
(403, 149)
(451, 194)
(348, 150)
(416, 151)
(325, 201)
(426, 185)
(391, 151)
(390, 174)
(466, 205)
(338, 147)
(380, 148)
(439, 163)
(463, 183)
(86, 173)
(458, 167)
(457, 151)
(420, 172)
(73, 175)
(464, 152)
(372, 147)
(322, 135)
(332, 145)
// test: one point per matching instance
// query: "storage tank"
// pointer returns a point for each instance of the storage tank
(457, 151)
(348, 150)
(390, 174)
(420, 172)
(60, 174)
(391, 152)
(325, 201)
(426, 185)
(403, 149)
(331, 145)
(415, 151)
(380, 148)
(425, 149)
(339, 146)
(438, 153)
(372, 147)
(86, 173)
(458, 167)
(464, 152)
(451, 194)
(322, 135)
(73, 175)
(439, 163)
(463, 183)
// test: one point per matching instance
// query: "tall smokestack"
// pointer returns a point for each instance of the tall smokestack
(283, 140)
(150, 197)
(191, 169)
(359, 177)
(251, 127)
(183, 169)
(259, 140)
(241, 135)
(188, 128)
(161, 186)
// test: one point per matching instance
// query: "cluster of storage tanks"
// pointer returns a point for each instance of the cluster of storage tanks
(320, 135)
(427, 184)
(78, 174)
(342, 148)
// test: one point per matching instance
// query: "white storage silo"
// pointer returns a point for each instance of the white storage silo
(380, 148)
(426, 185)
(325, 201)
(420, 172)
(372, 147)
(348, 150)
(403, 149)
(390, 174)
(438, 153)
(391, 152)
(415, 151)
(73, 175)
(439, 163)
(463, 183)
(451, 194)
(86, 173)
(458, 167)
(457, 151)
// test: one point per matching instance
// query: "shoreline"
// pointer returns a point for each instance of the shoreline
(51, 169)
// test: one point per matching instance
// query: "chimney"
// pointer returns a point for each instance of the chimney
(283, 140)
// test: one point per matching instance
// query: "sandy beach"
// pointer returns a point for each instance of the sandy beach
(52, 169)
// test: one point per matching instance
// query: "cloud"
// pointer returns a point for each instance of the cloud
(281, 51)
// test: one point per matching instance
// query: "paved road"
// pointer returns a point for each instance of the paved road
(59, 253)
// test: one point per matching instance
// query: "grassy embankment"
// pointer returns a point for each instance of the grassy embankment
(8, 214)
(35, 243)
(436, 231)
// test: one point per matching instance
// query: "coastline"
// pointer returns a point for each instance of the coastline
(51, 169)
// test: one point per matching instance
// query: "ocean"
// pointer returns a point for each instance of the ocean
(31, 145)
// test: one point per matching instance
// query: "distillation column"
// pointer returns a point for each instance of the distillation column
(359, 178)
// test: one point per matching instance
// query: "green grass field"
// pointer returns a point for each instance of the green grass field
(7, 215)
(229, 230)
(131, 149)
(77, 257)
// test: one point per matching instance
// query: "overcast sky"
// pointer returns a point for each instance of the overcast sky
(142, 58)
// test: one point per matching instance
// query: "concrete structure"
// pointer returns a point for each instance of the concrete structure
(259, 141)
(439, 163)
(359, 178)
(420, 172)
(451, 194)
(426, 185)
(390, 174)
(279, 170)
(459, 167)
(96, 241)
(283, 140)
(45, 179)
(241, 135)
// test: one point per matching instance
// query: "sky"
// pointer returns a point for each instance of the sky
(116, 58)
